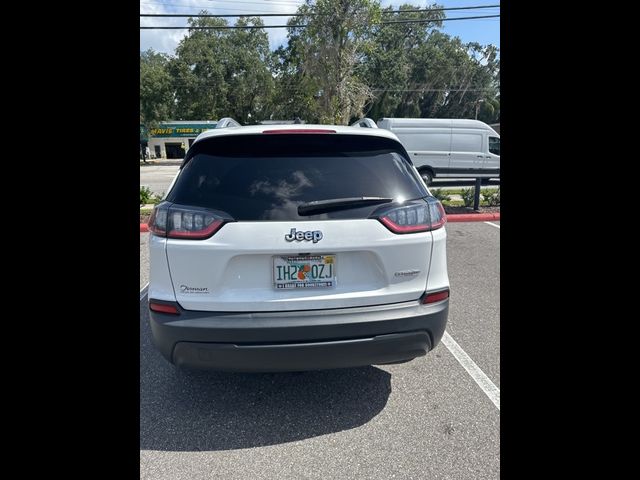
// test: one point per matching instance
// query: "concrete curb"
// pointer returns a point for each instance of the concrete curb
(458, 217)
(155, 163)
(473, 217)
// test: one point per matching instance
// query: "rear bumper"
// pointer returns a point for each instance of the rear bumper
(301, 340)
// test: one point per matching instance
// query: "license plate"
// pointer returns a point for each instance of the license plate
(308, 271)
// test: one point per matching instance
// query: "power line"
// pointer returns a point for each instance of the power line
(257, 3)
(295, 89)
(230, 27)
(227, 15)
(237, 2)
(439, 20)
(196, 6)
(177, 15)
(219, 6)
(301, 4)
(434, 90)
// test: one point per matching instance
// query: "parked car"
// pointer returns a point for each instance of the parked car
(446, 147)
(297, 247)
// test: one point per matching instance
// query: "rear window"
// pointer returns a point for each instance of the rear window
(266, 177)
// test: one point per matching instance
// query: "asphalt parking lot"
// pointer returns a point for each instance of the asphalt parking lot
(436, 417)
(157, 177)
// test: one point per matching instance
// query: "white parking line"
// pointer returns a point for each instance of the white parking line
(144, 291)
(487, 386)
(492, 224)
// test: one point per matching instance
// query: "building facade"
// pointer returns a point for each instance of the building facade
(172, 139)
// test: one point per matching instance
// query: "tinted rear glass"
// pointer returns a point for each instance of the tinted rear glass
(266, 177)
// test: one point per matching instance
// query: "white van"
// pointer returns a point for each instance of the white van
(446, 147)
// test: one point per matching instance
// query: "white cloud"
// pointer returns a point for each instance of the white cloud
(167, 40)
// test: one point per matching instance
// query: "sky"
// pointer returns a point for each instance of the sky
(483, 31)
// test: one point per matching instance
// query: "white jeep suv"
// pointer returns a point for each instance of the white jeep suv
(301, 247)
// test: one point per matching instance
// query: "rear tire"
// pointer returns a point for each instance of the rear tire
(427, 177)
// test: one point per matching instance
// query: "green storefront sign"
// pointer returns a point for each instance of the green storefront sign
(177, 130)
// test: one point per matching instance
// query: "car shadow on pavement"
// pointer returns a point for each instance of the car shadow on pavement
(182, 410)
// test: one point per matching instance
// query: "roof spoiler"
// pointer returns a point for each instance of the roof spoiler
(227, 122)
(365, 122)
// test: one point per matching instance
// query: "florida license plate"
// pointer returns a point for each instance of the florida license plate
(308, 271)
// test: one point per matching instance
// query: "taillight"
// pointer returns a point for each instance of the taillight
(163, 307)
(437, 213)
(177, 221)
(299, 130)
(158, 221)
(434, 297)
(416, 216)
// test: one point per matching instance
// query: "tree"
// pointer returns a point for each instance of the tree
(199, 71)
(296, 92)
(393, 65)
(330, 49)
(156, 88)
(221, 73)
(250, 83)
(419, 71)
(470, 78)
(344, 64)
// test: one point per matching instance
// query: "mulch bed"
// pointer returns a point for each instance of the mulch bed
(454, 210)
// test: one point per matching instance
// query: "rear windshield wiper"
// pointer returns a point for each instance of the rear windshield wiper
(323, 206)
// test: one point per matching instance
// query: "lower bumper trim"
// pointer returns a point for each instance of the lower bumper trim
(389, 348)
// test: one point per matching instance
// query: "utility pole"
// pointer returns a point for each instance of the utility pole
(478, 102)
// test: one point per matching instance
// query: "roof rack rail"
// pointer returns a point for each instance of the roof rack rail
(365, 123)
(227, 122)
